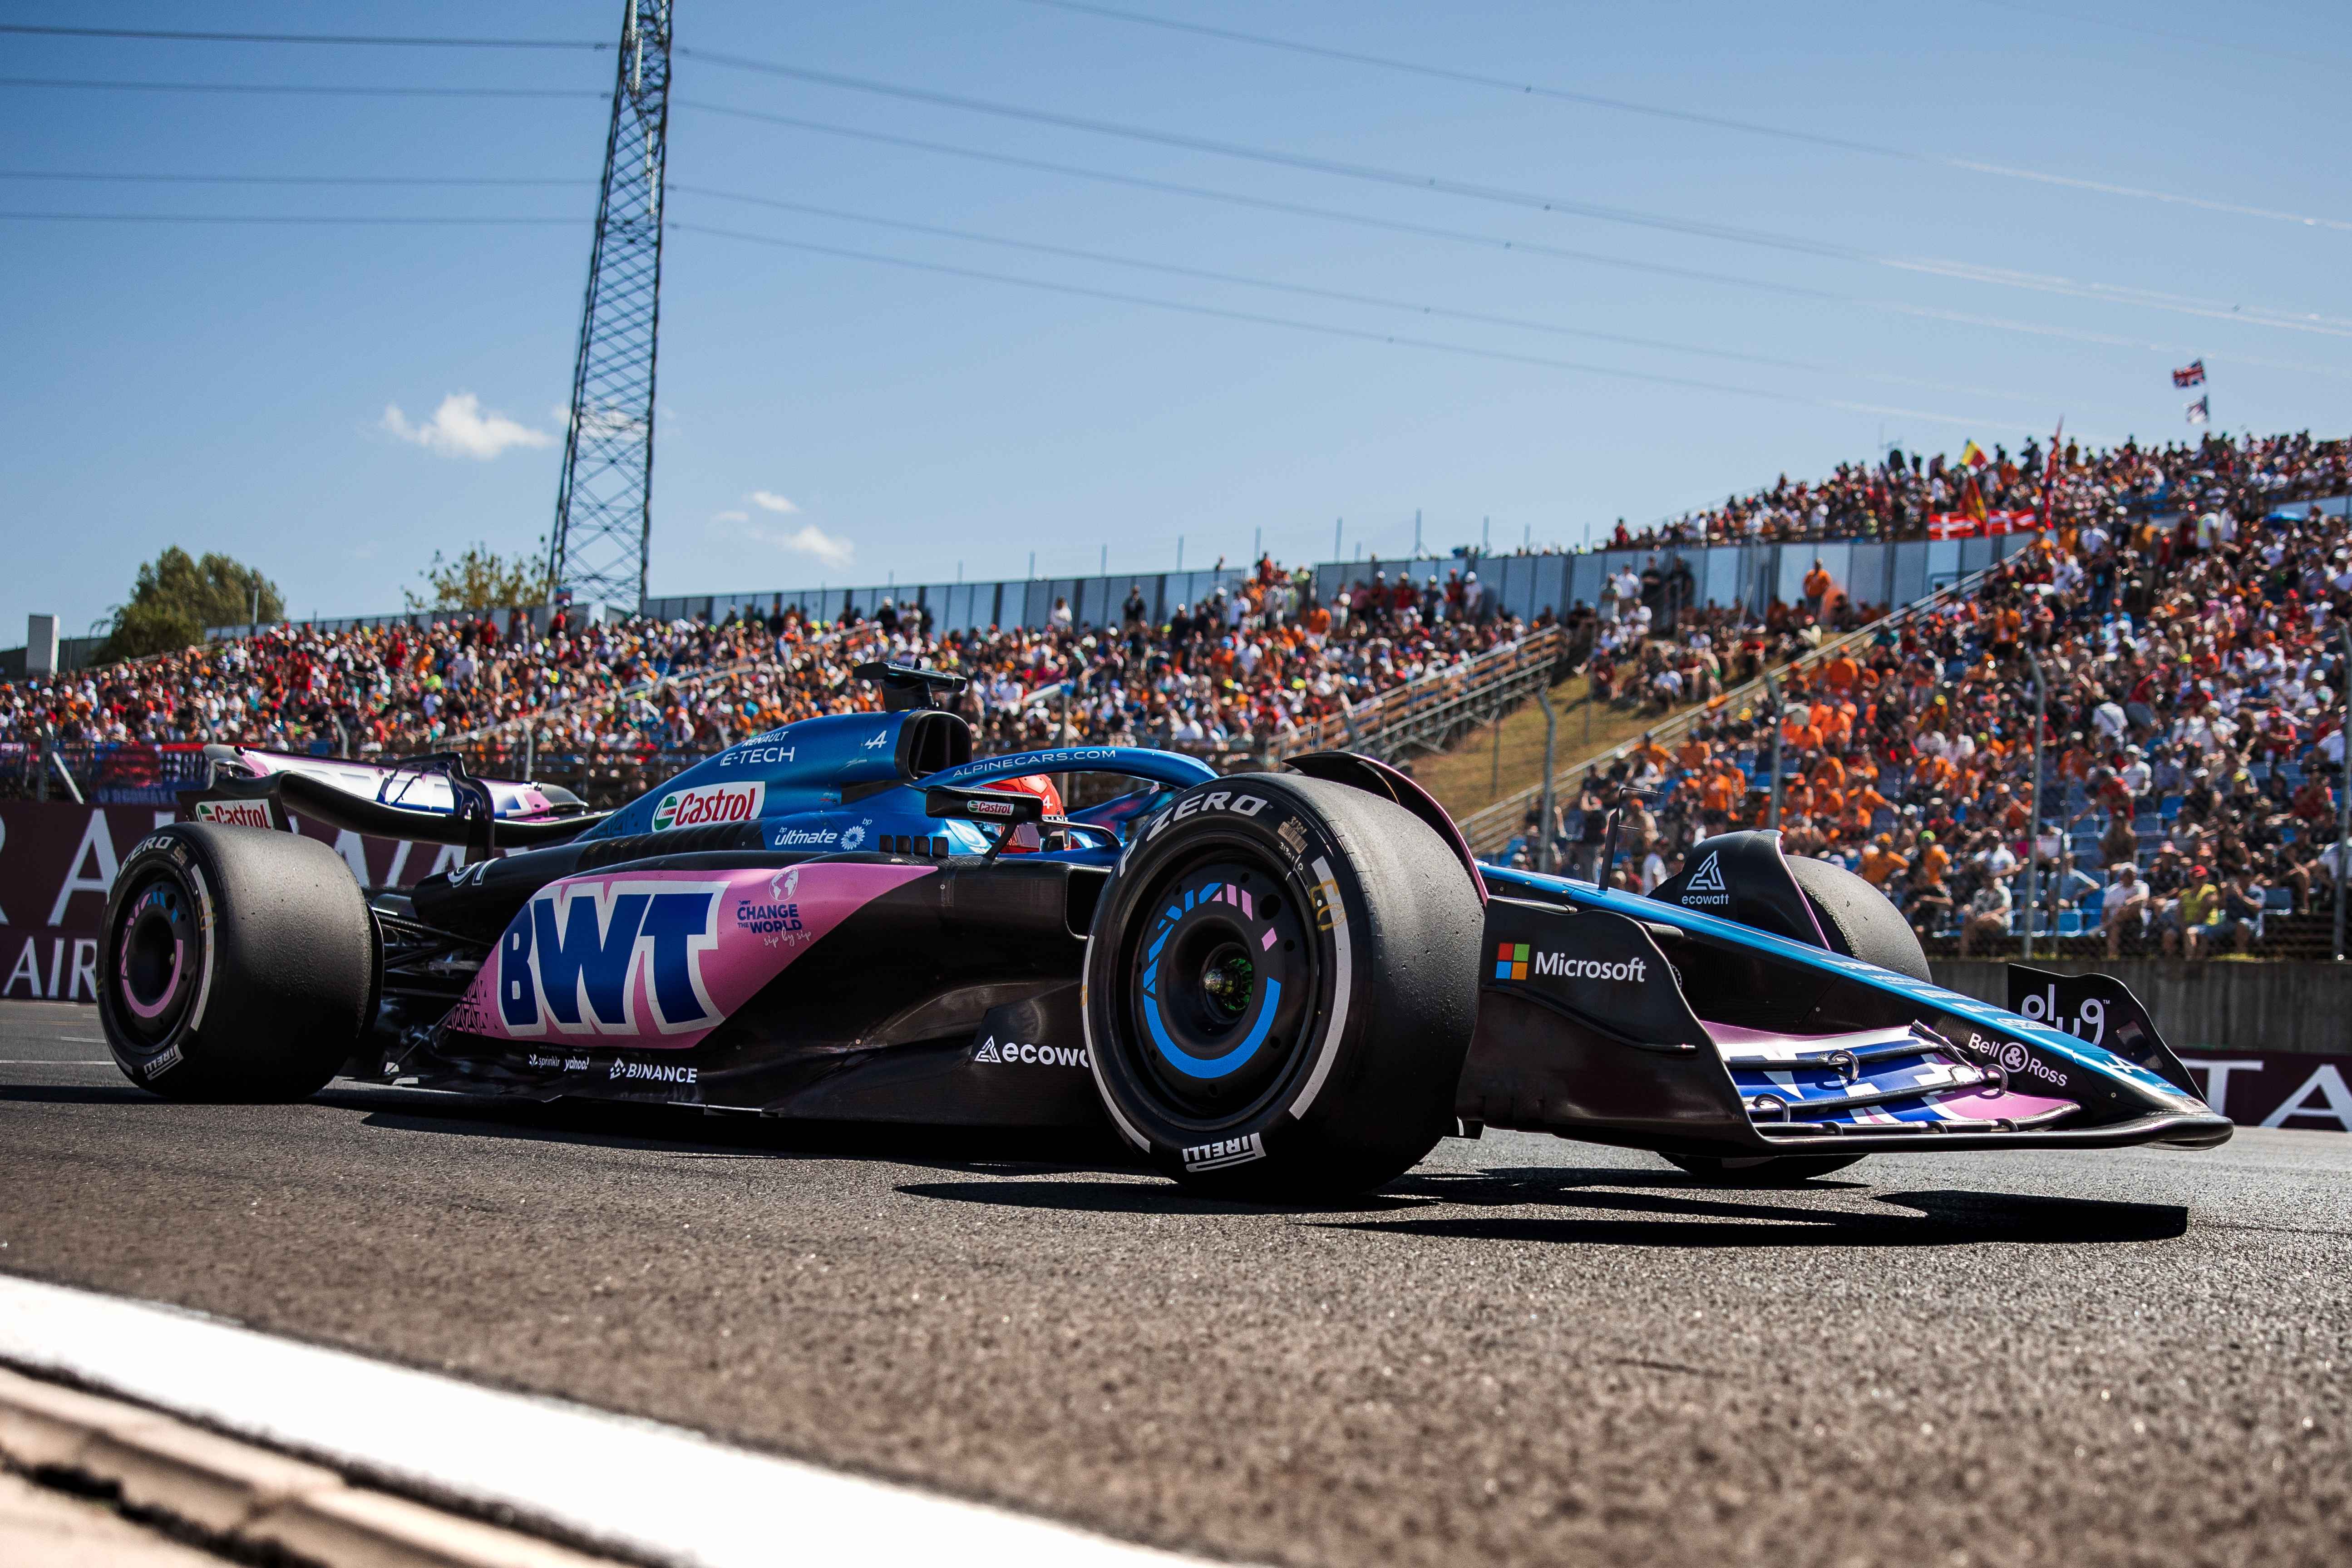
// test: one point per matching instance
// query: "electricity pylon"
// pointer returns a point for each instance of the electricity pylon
(603, 511)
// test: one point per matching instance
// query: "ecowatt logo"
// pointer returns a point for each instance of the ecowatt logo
(1706, 886)
(1044, 1056)
(707, 803)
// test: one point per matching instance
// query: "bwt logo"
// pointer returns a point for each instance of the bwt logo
(572, 957)
(701, 807)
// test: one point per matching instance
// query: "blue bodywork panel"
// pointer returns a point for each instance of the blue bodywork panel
(835, 784)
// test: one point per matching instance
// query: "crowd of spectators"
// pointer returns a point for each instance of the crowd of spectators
(2184, 605)
(2191, 728)
(1252, 663)
(1896, 496)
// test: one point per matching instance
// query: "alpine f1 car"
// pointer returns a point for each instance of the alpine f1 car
(1272, 984)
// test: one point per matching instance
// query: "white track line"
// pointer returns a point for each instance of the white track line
(631, 1485)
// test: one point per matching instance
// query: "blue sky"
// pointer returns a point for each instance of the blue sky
(1682, 308)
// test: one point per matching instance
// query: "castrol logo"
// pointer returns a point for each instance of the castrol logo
(233, 813)
(710, 803)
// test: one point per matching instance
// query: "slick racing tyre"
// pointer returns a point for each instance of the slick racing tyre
(1281, 986)
(1858, 919)
(237, 964)
(1763, 1170)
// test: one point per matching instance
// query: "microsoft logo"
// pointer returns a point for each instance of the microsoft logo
(1511, 960)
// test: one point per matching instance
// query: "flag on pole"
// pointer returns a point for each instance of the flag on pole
(2192, 376)
(2199, 411)
(2050, 472)
(1974, 456)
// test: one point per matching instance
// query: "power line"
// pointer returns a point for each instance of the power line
(1962, 272)
(1931, 266)
(1487, 241)
(1627, 106)
(300, 38)
(110, 85)
(286, 179)
(270, 218)
(1352, 334)
(1345, 297)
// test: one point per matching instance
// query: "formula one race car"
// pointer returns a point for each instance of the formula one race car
(1271, 984)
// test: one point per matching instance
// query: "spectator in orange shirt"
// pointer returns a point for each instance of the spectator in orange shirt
(1817, 588)
(1933, 859)
(1841, 674)
(1720, 793)
(1881, 863)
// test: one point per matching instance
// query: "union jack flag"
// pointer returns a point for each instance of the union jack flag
(2199, 411)
(2192, 376)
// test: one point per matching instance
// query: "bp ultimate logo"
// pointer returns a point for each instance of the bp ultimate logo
(582, 956)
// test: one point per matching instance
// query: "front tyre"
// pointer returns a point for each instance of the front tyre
(1281, 986)
(238, 965)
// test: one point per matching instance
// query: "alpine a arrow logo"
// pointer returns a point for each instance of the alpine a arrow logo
(584, 954)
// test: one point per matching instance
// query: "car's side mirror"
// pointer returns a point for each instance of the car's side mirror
(1007, 809)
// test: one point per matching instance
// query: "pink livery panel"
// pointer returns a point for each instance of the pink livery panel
(658, 959)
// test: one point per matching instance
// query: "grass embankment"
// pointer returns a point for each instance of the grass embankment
(1468, 776)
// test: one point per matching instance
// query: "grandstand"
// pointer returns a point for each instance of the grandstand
(2184, 605)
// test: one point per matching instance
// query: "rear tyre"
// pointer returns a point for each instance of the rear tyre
(1281, 986)
(1763, 1170)
(238, 965)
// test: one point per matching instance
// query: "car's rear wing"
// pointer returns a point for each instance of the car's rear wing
(427, 799)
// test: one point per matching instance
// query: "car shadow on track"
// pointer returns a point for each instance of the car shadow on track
(690, 1133)
(1157, 1196)
(1592, 1207)
(65, 1094)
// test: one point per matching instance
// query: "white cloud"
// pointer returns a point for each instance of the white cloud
(829, 549)
(459, 428)
(810, 539)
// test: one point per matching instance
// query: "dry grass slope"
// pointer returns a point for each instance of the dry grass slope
(1471, 776)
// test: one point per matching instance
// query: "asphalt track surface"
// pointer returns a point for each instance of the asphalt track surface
(1524, 1350)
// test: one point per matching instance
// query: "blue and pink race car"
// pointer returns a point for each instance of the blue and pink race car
(1271, 984)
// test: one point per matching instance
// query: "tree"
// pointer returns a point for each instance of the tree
(175, 597)
(480, 579)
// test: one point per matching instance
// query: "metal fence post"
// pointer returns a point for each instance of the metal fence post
(1543, 821)
(2342, 794)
